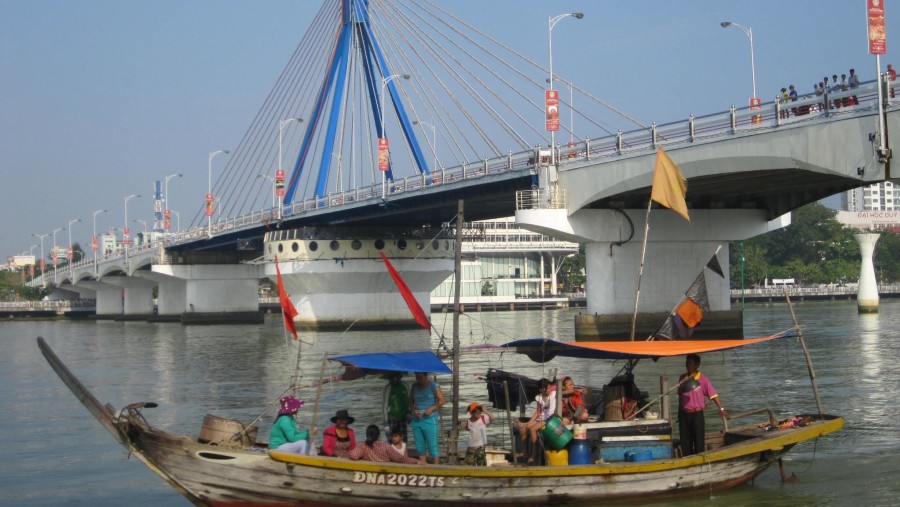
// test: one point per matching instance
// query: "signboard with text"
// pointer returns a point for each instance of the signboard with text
(875, 20)
(384, 160)
(551, 108)
(279, 183)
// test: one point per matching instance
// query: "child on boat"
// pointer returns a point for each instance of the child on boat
(375, 450)
(397, 442)
(285, 435)
(546, 406)
(476, 425)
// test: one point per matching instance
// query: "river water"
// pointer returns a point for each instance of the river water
(54, 453)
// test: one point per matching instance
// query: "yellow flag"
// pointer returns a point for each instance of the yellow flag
(669, 185)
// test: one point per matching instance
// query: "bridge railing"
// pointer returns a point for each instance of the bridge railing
(767, 116)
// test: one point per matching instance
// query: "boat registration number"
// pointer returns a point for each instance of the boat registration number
(415, 480)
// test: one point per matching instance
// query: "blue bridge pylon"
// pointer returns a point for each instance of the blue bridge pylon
(355, 35)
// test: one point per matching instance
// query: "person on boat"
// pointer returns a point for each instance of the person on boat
(285, 436)
(573, 408)
(425, 400)
(476, 425)
(375, 450)
(397, 404)
(694, 388)
(339, 440)
(398, 442)
(546, 406)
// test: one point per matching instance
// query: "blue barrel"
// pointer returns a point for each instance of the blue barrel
(580, 452)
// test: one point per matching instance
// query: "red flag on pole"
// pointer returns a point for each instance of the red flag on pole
(287, 308)
(407, 294)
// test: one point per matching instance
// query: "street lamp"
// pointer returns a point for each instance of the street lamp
(125, 239)
(550, 24)
(272, 180)
(209, 196)
(749, 33)
(177, 222)
(166, 190)
(95, 241)
(56, 253)
(384, 82)
(280, 140)
(70, 254)
(434, 166)
(42, 236)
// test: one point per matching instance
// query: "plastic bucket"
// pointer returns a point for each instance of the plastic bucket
(579, 432)
(556, 434)
(632, 456)
(558, 458)
(579, 452)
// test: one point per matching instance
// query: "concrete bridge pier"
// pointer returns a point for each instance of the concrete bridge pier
(677, 251)
(867, 295)
(171, 297)
(216, 293)
(66, 291)
(109, 299)
(137, 297)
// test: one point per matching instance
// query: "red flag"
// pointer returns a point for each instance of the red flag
(407, 294)
(287, 308)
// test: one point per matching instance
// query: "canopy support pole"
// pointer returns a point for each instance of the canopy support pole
(809, 365)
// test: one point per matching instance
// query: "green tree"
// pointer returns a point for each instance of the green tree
(571, 272)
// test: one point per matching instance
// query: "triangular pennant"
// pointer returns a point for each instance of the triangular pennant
(715, 267)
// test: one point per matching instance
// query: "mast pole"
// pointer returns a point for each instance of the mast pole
(809, 365)
(637, 295)
(457, 284)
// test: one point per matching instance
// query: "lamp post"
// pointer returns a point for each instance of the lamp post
(70, 254)
(166, 190)
(434, 166)
(384, 82)
(42, 236)
(125, 238)
(142, 222)
(280, 172)
(95, 241)
(749, 33)
(272, 180)
(177, 222)
(56, 253)
(550, 24)
(209, 195)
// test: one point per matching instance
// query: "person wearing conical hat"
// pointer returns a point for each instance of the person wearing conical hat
(285, 435)
(693, 390)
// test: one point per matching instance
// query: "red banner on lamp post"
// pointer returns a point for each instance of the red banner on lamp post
(209, 205)
(279, 183)
(167, 220)
(94, 245)
(551, 108)
(384, 157)
(875, 20)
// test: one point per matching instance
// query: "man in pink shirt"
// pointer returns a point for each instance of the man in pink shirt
(694, 388)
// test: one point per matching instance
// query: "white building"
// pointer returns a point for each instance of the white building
(504, 266)
(875, 197)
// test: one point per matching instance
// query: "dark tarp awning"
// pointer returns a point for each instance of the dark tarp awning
(542, 350)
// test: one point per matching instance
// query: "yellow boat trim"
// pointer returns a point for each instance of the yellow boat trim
(752, 446)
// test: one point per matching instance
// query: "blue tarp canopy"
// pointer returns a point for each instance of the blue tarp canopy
(424, 361)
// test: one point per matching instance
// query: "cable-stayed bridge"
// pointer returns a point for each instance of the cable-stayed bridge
(388, 113)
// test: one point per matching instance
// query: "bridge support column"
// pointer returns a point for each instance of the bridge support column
(171, 297)
(216, 293)
(867, 295)
(677, 251)
(137, 297)
(108, 297)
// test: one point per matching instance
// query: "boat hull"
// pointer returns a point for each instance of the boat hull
(214, 476)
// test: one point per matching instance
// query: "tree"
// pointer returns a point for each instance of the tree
(571, 271)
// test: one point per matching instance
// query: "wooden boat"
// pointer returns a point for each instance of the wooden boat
(223, 475)
(234, 472)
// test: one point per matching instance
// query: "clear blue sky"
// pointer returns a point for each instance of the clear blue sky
(100, 98)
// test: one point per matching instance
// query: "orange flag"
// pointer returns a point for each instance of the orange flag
(287, 308)
(407, 294)
(669, 185)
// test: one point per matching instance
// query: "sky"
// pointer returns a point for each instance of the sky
(100, 98)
